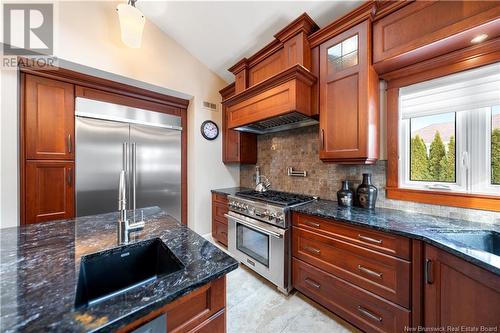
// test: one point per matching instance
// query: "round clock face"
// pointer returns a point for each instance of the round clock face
(209, 130)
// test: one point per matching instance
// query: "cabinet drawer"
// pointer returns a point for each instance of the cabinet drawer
(380, 241)
(221, 198)
(219, 210)
(381, 274)
(361, 308)
(219, 232)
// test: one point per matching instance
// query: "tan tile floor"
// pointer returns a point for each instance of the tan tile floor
(254, 305)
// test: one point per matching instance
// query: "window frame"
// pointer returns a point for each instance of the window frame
(424, 71)
(405, 153)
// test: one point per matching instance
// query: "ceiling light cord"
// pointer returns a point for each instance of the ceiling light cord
(132, 2)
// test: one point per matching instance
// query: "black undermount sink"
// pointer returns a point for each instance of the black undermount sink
(108, 273)
(488, 241)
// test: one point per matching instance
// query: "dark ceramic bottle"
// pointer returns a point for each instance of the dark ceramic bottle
(367, 193)
(345, 195)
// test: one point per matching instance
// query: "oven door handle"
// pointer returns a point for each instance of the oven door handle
(253, 226)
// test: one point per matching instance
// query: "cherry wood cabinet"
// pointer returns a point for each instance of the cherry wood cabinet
(423, 30)
(348, 88)
(47, 149)
(355, 272)
(219, 221)
(49, 116)
(354, 304)
(237, 147)
(458, 293)
(49, 190)
(202, 311)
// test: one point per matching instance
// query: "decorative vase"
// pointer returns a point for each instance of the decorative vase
(345, 195)
(366, 192)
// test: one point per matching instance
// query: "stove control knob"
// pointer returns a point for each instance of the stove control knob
(251, 210)
(273, 216)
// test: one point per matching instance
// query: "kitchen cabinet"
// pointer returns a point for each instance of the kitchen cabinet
(47, 149)
(49, 190)
(200, 311)
(422, 30)
(349, 89)
(458, 293)
(362, 275)
(49, 117)
(219, 221)
(237, 147)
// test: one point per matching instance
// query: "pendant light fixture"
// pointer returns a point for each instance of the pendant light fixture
(131, 23)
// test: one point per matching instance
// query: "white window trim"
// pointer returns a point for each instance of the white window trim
(473, 156)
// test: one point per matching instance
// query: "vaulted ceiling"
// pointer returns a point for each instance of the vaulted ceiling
(219, 33)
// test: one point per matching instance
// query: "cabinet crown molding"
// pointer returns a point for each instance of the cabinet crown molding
(303, 23)
(363, 12)
(297, 72)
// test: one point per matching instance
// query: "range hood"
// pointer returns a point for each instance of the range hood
(278, 123)
(279, 103)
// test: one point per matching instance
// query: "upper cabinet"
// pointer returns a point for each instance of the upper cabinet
(49, 119)
(237, 147)
(348, 90)
(425, 29)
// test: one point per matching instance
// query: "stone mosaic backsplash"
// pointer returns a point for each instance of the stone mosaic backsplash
(299, 149)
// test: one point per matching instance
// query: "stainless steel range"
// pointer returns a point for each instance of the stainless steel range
(259, 232)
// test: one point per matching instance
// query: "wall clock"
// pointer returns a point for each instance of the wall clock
(209, 130)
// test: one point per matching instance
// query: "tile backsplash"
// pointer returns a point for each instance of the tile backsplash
(299, 149)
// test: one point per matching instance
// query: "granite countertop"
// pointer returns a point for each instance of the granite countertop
(432, 229)
(39, 266)
(230, 190)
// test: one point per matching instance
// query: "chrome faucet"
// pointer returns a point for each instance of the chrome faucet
(124, 225)
(262, 184)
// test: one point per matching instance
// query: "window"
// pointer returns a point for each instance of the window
(449, 133)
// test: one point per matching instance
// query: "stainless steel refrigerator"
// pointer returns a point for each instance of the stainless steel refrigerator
(146, 144)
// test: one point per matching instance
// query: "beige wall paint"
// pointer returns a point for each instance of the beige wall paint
(88, 33)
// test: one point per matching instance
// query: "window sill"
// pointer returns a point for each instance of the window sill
(463, 200)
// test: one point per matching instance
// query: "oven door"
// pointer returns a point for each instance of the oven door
(260, 246)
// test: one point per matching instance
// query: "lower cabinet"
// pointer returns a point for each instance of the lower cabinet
(219, 221)
(201, 311)
(348, 270)
(358, 306)
(49, 187)
(458, 293)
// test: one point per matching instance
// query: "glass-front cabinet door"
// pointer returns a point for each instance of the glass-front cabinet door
(343, 55)
(348, 88)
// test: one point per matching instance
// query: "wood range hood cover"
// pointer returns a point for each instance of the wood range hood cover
(274, 88)
(279, 103)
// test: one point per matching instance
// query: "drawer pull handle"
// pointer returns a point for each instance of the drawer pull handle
(369, 239)
(312, 224)
(312, 249)
(369, 271)
(369, 314)
(313, 283)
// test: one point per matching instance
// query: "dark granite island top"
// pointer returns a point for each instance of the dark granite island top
(432, 229)
(39, 266)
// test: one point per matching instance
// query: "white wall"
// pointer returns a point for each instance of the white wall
(88, 33)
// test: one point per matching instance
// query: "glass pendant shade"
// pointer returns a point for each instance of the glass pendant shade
(131, 25)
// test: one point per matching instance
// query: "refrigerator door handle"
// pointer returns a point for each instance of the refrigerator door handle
(134, 175)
